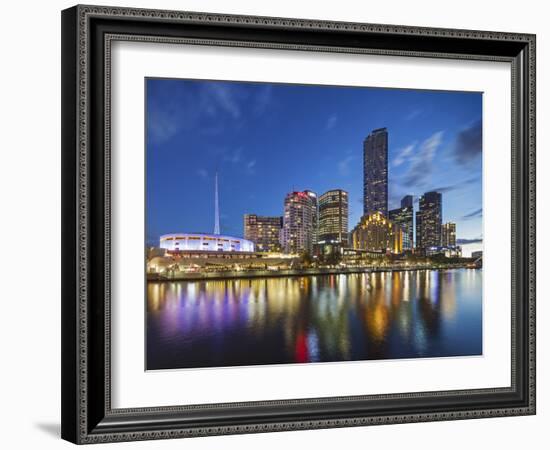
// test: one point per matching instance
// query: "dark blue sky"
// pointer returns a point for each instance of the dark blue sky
(268, 139)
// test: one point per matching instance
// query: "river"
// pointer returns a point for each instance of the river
(385, 315)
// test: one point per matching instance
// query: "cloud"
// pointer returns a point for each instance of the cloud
(395, 194)
(234, 156)
(202, 173)
(160, 126)
(403, 155)
(236, 99)
(420, 168)
(331, 122)
(205, 107)
(250, 166)
(344, 165)
(473, 214)
(262, 100)
(223, 97)
(469, 241)
(444, 189)
(200, 107)
(468, 143)
(413, 114)
(456, 186)
(238, 158)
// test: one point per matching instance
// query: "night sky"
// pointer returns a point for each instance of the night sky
(266, 140)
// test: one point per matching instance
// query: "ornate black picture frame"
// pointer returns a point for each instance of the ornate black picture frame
(87, 34)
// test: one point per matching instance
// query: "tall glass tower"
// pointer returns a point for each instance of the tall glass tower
(448, 235)
(404, 218)
(407, 201)
(375, 172)
(333, 217)
(428, 220)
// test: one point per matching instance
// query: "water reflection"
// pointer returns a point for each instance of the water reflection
(314, 318)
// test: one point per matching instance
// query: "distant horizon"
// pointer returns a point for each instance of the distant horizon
(265, 140)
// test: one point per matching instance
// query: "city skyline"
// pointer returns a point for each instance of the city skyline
(449, 155)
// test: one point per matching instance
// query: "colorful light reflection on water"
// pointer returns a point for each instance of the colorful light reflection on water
(385, 315)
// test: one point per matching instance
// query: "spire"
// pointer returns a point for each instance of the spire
(216, 208)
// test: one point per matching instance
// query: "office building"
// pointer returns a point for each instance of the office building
(407, 201)
(428, 221)
(403, 217)
(313, 197)
(448, 235)
(333, 217)
(375, 172)
(263, 231)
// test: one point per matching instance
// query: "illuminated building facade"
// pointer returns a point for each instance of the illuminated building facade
(428, 221)
(376, 233)
(184, 242)
(263, 231)
(448, 235)
(314, 201)
(403, 217)
(299, 231)
(375, 172)
(333, 217)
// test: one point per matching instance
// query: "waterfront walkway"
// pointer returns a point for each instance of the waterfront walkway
(218, 275)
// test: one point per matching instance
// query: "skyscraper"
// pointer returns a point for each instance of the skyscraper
(375, 172)
(407, 201)
(333, 217)
(299, 222)
(403, 217)
(428, 220)
(448, 235)
(263, 231)
(313, 197)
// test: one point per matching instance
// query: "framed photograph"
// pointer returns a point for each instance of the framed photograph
(279, 224)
